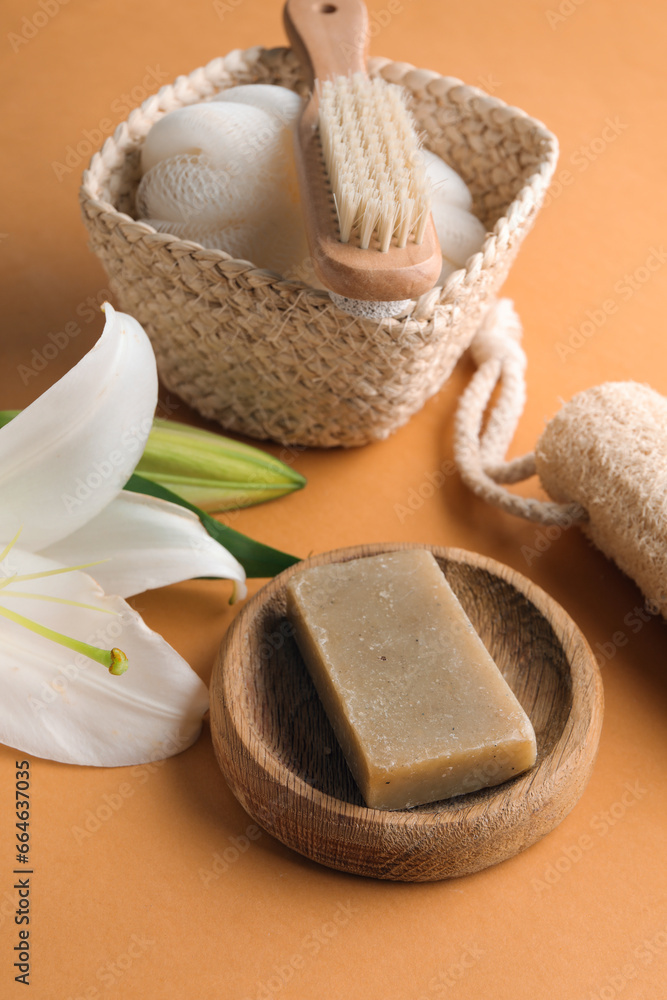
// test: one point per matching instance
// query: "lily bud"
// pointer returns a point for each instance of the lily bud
(211, 470)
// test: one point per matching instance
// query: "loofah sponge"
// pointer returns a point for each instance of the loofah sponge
(602, 459)
(607, 451)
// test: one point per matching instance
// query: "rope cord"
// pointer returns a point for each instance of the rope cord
(480, 456)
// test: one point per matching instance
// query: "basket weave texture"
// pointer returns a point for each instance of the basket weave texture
(268, 356)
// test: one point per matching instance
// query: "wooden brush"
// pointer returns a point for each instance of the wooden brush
(364, 189)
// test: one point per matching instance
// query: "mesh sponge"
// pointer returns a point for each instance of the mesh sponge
(239, 194)
(186, 188)
(191, 188)
(231, 135)
(279, 101)
(253, 219)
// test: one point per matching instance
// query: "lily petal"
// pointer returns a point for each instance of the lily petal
(68, 454)
(147, 543)
(60, 705)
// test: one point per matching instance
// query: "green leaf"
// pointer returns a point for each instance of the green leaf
(258, 560)
(7, 415)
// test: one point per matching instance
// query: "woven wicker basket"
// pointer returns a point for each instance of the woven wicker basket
(273, 358)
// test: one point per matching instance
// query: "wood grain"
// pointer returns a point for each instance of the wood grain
(331, 39)
(278, 752)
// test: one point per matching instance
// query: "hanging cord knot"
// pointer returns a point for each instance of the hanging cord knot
(480, 456)
(499, 336)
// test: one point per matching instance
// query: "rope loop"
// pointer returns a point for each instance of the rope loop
(480, 455)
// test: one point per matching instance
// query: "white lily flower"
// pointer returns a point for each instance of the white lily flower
(63, 463)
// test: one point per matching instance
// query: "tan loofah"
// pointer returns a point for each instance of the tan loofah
(602, 459)
(269, 356)
(607, 450)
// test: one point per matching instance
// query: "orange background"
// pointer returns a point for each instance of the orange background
(136, 909)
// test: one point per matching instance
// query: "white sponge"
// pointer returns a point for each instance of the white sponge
(460, 233)
(284, 104)
(447, 186)
(221, 173)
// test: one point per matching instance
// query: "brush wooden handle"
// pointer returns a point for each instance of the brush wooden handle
(331, 39)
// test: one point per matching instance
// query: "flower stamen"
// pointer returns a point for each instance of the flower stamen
(20, 577)
(10, 545)
(114, 660)
(57, 600)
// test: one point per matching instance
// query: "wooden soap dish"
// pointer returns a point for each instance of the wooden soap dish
(279, 754)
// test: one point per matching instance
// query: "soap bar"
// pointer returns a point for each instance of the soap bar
(418, 706)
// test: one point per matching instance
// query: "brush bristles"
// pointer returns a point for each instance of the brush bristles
(373, 161)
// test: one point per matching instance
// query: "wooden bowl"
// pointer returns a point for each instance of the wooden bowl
(278, 752)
